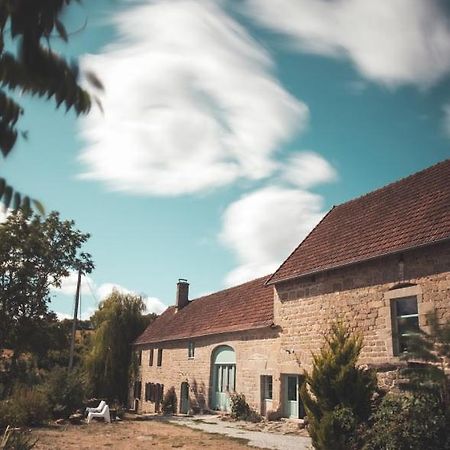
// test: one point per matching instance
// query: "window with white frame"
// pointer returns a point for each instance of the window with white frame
(405, 322)
(191, 349)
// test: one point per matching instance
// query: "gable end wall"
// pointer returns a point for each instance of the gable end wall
(361, 296)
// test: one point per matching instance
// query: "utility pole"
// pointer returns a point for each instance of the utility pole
(74, 324)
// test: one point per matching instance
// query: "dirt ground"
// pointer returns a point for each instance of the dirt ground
(134, 435)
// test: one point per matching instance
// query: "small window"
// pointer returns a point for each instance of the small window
(159, 362)
(405, 322)
(267, 387)
(139, 357)
(150, 357)
(191, 349)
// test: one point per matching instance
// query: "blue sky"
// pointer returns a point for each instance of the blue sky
(229, 129)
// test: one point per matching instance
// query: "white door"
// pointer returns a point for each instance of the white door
(291, 396)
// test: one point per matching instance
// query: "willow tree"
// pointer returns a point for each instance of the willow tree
(28, 65)
(117, 323)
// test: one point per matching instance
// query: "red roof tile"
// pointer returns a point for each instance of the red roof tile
(409, 213)
(239, 308)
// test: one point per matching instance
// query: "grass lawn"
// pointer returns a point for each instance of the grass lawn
(131, 435)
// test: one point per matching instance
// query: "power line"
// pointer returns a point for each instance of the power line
(92, 290)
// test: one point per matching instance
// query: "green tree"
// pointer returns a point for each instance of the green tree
(337, 394)
(35, 69)
(408, 422)
(35, 255)
(117, 323)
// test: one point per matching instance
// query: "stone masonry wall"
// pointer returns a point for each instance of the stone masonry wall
(361, 296)
(257, 353)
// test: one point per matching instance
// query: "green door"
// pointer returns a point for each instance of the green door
(224, 377)
(184, 398)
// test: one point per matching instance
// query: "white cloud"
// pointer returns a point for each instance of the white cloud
(446, 120)
(391, 42)
(105, 289)
(69, 284)
(63, 316)
(152, 304)
(4, 213)
(190, 103)
(91, 292)
(307, 169)
(263, 227)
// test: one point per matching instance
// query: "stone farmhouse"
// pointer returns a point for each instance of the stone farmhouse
(379, 263)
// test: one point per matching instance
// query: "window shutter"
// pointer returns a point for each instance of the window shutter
(139, 389)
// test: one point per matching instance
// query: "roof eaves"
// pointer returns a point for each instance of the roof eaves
(266, 324)
(347, 264)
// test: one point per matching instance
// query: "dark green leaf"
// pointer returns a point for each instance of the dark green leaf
(2, 187)
(17, 201)
(39, 206)
(61, 30)
(7, 196)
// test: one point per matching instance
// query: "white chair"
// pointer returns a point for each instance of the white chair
(103, 413)
(97, 409)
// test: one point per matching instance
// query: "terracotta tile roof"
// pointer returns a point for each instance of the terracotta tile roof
(239, 308)
(409, 213)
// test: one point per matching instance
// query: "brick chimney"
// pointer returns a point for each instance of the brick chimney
(182, 293)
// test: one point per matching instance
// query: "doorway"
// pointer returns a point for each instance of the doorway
(184, 398)
(292, 404)
(223, 369)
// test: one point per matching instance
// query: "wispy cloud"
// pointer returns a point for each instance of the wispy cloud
(264, 226)
(307, 169)
(96, 293)
(190, 103)
(390, 42)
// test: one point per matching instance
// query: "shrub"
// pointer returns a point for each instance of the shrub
(65, 391)
(27, 406)
(427, 355)
(169, 403)
(337, 395)
(16, 440)
(241, 410)
(409, 422)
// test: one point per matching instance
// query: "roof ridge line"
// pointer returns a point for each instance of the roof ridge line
(392, 183)
(231, 287)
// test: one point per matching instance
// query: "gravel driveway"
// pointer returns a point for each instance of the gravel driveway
(259, 439)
